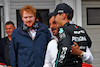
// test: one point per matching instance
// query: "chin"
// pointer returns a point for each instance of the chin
(58, 26)
(9, 35)
(29, 25)
(54, 34)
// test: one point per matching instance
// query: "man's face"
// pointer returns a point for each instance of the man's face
(53, 26)
(9, 29)
(58, 20)
(28, 18)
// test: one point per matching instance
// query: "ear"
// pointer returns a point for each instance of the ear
(22, 18)
(35, 16)
(63, 15)
(14, 27)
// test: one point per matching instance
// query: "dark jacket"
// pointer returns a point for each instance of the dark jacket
(4, 51)
(68, 34)
(26, 52)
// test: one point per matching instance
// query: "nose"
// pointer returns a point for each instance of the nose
(28, 19)
(51, 26)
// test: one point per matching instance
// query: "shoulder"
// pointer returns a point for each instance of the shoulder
(43, 28)
(52, 43)
(15, 32)
(72, 27)
(3, 39)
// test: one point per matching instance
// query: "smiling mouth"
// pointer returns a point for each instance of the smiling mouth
(28, 22)
(53, 29)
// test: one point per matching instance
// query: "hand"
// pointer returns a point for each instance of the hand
(75, 49)
(75, 45)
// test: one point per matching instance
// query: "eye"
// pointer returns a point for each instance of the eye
(6, 28)
(25, 17)
(30, 16)
(54, 22)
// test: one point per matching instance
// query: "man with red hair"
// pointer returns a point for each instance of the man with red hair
(29, 41)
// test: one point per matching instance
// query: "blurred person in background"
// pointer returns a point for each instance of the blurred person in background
(5, 44)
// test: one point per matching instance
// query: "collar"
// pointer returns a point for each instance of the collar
(40, 29)
(71, 22)
(68, 23)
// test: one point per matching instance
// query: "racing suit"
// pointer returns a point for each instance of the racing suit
(68, 34)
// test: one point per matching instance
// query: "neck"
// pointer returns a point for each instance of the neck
(31, 28)
(57, 35)
(65, 21)
(9, 37)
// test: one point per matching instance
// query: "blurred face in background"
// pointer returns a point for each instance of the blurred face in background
(9, 29)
